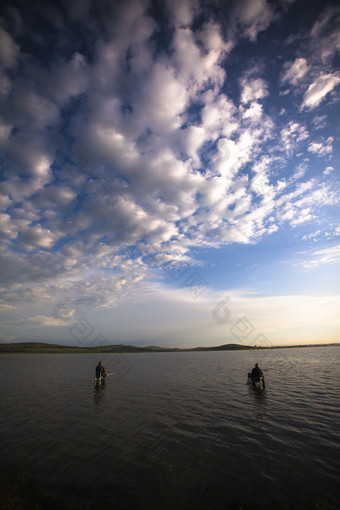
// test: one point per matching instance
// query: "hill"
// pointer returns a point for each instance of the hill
(46, 348)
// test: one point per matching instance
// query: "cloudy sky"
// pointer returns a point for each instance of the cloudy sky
(170, 172)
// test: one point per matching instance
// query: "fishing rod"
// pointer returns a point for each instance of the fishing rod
(102, 377)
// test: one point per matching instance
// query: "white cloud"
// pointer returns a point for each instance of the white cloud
(253, 90)
(196, 67)
(328, 170)
(300, 205)
(5, 131)
(303, 216)
(183, 11)
(320, 121)
(254, 111)
(273, 319)
(295, 71)
(9, 51)
(292, 135)
(319, 89)
(122, 158)
(192, 140)
(312, 235)
(254, 16)
(31, 109)
(322, 149)
(37, 237)
(64, 79)
(43, 321)
(300, 171)
(324, 256)
(9, 227)
(54, 195)
(218, 116)
(5, 201)
(163, 101)
(325, 37)
(211, 37)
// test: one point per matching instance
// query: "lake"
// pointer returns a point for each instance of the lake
(174, 430)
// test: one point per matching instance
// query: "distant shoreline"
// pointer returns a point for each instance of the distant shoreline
(45, 348)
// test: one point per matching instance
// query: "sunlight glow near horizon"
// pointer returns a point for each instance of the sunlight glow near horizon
(158, 158)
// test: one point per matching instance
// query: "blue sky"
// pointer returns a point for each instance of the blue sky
(170, 172)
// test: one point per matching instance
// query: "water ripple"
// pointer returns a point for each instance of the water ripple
(181, 430)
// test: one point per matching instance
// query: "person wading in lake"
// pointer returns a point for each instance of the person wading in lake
(257, 372)
(100, 370)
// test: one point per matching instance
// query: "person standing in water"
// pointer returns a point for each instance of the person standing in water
(257, 372)
(100, 371)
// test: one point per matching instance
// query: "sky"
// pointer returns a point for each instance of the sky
(170, 172)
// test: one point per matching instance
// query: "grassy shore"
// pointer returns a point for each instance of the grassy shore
(46, 348)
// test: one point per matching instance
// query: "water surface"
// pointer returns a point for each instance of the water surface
(175, 430)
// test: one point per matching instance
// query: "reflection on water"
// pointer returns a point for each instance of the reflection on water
(98, 393)
(179, 430)
(259, 397)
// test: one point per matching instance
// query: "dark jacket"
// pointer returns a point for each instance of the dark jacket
(256, 372)
(100, 370)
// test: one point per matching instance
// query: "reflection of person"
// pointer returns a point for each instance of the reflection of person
(257, 372)
(100, 370)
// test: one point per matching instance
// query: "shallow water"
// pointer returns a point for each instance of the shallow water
(175, 430)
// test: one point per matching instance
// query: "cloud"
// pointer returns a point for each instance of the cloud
(64, 79)
(270, 314)
(163, 101)
(6, 338)
(9, 51)
(317, 47)
(36, 237)
(131, 147)
(295, 71)
(322, 149)
(183, 12)
(10, 227)
(312, 235)
(325, 38)
(197, 67)
(43, 321)
(254, 112)
(300, 205)
(328, 170)
(53, 194)
(5, 307)
(320, 121)
(292, 135)
(324, 256)
(272, 319)
(254, 16)
(253, 90)
(319, 89)
(329, 234)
